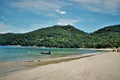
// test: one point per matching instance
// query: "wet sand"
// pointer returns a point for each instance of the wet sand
(98, 67)
(8, 67)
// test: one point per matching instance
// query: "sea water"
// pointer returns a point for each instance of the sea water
(20, 53)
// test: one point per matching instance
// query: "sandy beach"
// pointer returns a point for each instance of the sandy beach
(98, 67)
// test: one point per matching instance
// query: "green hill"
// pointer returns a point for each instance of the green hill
(55, 36)
(65, 37)
(109, 29)
(106, 37)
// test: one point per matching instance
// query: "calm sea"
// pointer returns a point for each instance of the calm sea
(14, 53)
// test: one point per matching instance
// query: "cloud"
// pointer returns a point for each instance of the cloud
(67, 21)
(39, 6)
(38, 25)
(91, 20)
(61, 12)
(4, 19)
(8, 28)
(35, 26)
(5, 27)
(101, 6)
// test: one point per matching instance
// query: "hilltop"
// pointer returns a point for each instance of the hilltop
(109, 29)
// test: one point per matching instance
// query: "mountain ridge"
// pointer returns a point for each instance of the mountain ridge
(65, 36)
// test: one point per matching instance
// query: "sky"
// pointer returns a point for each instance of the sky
(21, 16)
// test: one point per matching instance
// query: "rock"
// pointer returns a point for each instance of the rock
(118, 49)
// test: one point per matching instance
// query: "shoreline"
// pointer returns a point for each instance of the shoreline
(31, 57)
(11, 67)
(35, 60)
(69, 57)
(89, 67)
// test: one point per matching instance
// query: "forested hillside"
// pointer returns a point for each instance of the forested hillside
(106, 37)
(65, 37)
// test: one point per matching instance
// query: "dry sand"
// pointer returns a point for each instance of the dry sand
(99, 67)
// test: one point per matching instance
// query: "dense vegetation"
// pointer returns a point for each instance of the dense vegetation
(106, 37)
(65, 36)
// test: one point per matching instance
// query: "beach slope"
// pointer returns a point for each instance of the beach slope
(98, 67)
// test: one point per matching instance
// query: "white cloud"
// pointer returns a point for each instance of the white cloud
(91, 20)
(35, 26)
(67, 21)
(101, 6)
(61, 12)
(5, 27)
(8, 28)
(39, 6)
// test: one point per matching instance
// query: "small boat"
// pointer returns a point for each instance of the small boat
(48, 53)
